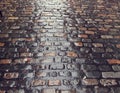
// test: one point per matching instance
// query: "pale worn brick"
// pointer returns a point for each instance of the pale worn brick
(90, 82)
(113, 61)
(48, 91)
(108, 82)
(54, 82)
(38, 82)
(111, 74)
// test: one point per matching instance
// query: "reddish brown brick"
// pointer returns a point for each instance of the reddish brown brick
(106, 36)
(41, 74)
(2, 44)
(50, 54)
(11, 75)
(117, 37)
(2, 91)
(59, 34)
(72, 54)
(83, 36)
(118, 45)
(83, 28)
(54, 82)
(78, 44)
(48, 91)
(89, 82)
(113, 61)
(5, 61)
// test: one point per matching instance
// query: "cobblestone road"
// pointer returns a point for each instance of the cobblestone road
(59, 46)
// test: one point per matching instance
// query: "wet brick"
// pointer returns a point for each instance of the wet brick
(48, 91)
(90, 82)
(111, 74)
(54, 82)
(108, 82)
(38, 82)
(11, 75)
(93, 74)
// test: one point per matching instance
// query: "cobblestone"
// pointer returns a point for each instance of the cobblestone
(59, 46)
(48, 91)
(108, 82)
(89, 82)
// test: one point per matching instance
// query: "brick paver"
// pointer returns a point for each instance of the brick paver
(59, 46)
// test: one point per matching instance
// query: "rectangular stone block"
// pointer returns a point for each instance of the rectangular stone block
(38, 82)
(90, 82)
(5, 61)
(2, 44)
(1, 91)
(48, 91)
(111, 74)
(11, 75)
(54, 82)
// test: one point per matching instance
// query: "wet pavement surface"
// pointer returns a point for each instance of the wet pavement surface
(59, 46)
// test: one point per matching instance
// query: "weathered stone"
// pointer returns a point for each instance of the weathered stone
(5, 61)
(72, 66)
(54, 83)
(16, 91)
(38, 82)
(2, 91)
(48, 91)
(108, 82)
(116, 67)
(2, 44)
(111, 74)
(68, 91)
(101, 90)
(118, 45)
(72, 54)
(113, 61)
(50, 54)
(90, 82)
(83, 36)
(106, 36)
(78, 44)
(104, 68)
(13, 18)
(97, 45)
(11, 75)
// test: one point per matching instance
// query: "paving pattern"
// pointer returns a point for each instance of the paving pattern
(59, 46)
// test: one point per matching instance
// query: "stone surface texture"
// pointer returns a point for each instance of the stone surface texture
(59, 46)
